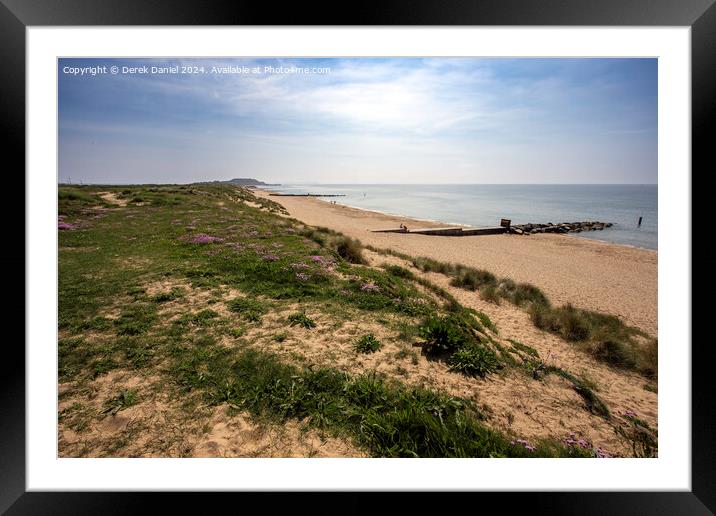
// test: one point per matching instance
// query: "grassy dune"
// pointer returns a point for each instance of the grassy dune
(199, 287)
(604, 336)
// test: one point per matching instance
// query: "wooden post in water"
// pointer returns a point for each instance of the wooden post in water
(639, 224)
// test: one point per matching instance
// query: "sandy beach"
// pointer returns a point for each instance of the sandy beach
(594, 275)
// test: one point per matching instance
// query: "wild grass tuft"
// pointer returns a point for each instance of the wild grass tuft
(592, 402)
(458, 337)
(474, 360)
(126, 398)
(367, 344)
(280, 337)
(137, 318)
(349, 249)
(487, 322)
(444, 334)
(641, 437)
(570, 323)
(524, 348)
(473, 279)
(606, 337)
(250, 309)
(96, 323)
(174, 294)
(301, 319)
(400, 272)
(490, 294)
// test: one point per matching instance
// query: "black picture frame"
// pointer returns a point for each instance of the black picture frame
(17, 15)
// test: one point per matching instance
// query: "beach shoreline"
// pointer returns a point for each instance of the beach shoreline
(588, 273)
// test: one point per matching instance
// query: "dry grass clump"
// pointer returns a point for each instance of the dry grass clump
(606, 337)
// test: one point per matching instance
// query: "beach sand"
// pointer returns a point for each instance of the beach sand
(593, 275)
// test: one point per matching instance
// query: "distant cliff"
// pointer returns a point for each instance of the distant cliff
(244, 181)
(247, 181)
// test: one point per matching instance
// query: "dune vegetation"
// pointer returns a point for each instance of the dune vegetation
(184, 305)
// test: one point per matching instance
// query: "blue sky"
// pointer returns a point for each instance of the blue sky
(367, 120)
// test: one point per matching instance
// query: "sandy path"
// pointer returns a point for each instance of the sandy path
(112, 198)
(594, 275)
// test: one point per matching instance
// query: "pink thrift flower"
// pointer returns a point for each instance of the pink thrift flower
(205, 239)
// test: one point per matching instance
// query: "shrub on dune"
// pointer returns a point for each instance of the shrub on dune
(367, 344)
(474, 360)
(349, 249)
(473, 279)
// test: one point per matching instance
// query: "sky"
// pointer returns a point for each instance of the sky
(358, 120)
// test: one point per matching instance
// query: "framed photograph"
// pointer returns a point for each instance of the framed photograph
(435, 250)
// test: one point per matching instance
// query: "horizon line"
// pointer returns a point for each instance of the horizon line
(82, 183)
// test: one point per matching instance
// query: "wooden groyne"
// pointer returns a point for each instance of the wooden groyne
(504, 227)
(448, 231)
(305, 195)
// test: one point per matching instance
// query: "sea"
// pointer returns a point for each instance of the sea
(485, 205)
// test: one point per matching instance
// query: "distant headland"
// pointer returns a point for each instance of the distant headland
(243, 181)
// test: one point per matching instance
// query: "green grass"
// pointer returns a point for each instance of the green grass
(97, 323)
(301, 319)
(250, 309)
(203, 317)
(367, 344)
(389, 420)
(280, 337)
(641, 437)
(606, 337)
(108, 321)
(445, 334)
(349, 249)
(524, 348)
(473, 279)
(174, 294)
(80, 359)
(235, 332)
(136, 319)
(505, 355)
(459, 339)
(570, 323)
(126, 398)
(475, 360)
(346, 248)
(593, 403)
(77, 197)
(400, 272)
(610, 339)
(491, 294)
(486, 322)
